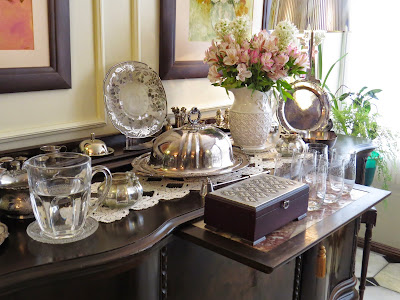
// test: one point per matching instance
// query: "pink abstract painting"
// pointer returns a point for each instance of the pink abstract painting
(16, 25)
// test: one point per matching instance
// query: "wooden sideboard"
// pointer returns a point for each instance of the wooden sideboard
(162, 253)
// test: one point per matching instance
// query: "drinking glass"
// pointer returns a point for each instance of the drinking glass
(335, 177)
(319, 148)
(314, 173)
(349, 172)
(289, 168)
(59, 185)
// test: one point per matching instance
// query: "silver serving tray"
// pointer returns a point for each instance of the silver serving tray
(309, 111)
(142, 167)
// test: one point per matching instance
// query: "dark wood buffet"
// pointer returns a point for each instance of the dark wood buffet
(164, 252)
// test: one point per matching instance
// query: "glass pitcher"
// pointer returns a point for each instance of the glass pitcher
(59, 185)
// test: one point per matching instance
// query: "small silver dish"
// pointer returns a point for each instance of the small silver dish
(95, 147)
(16, 203)
(125, 190)
(288, 143)
(324, 137)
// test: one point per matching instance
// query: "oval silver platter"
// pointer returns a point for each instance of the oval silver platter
(142, 167)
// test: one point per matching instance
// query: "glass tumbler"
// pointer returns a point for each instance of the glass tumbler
(349, 172)
(314, 172)
(335, 182)
(319, 148)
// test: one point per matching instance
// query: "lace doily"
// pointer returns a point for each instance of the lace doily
(156, 189)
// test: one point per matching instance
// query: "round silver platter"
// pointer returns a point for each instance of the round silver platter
(142, 167)
(309, 111)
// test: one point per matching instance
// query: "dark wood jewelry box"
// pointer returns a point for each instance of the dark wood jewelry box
(256, 206)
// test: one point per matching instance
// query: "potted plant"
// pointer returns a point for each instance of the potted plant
(356, 114)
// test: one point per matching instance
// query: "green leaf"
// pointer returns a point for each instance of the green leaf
(331, 68)
(364, 88)
(343, 96)
(320, 61)
(285, 84)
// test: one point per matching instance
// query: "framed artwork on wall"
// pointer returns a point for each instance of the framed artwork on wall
(186, 31)
(34, 45)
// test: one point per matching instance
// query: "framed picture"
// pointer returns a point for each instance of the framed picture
(35, 55)
(186, 31)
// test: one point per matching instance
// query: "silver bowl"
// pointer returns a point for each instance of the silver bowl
(324, 137)
(192, 150)
(125, 190)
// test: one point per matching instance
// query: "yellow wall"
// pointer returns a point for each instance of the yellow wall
(35, 118)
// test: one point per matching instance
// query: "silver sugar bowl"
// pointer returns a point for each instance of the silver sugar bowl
(290, 142)
(125, 190)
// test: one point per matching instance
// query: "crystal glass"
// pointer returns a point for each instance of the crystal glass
(289, 168)
(335, 177)
(314, 172)
(349, 172)
(319, 148)
(59, 185)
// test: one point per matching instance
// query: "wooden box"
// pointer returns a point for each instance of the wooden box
(255, 207)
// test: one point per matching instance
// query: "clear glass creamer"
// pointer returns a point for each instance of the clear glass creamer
(59, 185)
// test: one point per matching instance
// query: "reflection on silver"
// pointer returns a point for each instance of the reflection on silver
(3, 232)
(325, 137)
(141, 166)
(309, 109)
(192, 150)
(94, 147)
(16, 203)
(329, 15)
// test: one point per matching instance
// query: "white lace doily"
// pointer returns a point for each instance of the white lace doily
(156, 189)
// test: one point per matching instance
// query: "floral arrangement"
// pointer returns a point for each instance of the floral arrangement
(260, 62)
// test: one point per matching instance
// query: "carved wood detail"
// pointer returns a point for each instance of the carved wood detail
(297, 277)
(164, 273)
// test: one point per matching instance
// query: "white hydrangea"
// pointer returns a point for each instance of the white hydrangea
(240, 27)
(286, 33)
(222, 28)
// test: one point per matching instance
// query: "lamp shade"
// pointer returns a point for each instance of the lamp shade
(328, 15)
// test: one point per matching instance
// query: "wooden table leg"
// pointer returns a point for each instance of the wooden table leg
(369, 218)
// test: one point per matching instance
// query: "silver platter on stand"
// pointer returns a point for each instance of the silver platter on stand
(308, 111)
(142, 167)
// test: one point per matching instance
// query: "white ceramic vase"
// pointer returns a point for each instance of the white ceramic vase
(250, 119)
